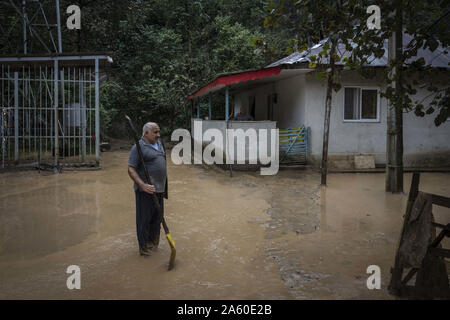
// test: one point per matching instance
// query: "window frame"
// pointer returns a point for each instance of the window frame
(360, 103)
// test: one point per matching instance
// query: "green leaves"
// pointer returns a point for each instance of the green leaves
(432, 44)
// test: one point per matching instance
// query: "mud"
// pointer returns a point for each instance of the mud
(245, 237)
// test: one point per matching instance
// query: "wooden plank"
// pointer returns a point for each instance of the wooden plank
(439, 238)
(440, 252)
(442, 226)
(397, 271)
(441, 201)
(409, 276)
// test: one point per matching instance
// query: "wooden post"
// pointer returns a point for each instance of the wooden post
(210, 107)
(326, 126)
(397, 271)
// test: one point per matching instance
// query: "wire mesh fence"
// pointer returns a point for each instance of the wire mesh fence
(48, 115)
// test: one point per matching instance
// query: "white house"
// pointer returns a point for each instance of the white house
(288, 93)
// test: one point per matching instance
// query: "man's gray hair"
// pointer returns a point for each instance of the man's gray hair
(148, 126)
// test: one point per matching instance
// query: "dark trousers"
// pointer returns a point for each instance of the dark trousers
(148, 223)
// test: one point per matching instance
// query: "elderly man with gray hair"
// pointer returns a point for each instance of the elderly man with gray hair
(148, 223)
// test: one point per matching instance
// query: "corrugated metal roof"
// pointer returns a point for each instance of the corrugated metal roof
(437, 58)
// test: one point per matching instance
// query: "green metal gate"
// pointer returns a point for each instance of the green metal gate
(294, 145)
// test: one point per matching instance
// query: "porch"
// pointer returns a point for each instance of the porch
(256, 92)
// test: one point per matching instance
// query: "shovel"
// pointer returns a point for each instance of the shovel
(155, 199)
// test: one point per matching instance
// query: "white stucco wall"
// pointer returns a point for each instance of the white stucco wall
(301, 101)
(424, 143)
(291, 102)
(260, 94)
(289, 111)
(222, 126)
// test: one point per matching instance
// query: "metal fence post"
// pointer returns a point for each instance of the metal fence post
(58, 24)
(55, 92)
(226, 103)
(64, 112)
(97, 115)
(83, 117)
(16, 117)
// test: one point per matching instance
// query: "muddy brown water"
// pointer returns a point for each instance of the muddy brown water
(245, 237)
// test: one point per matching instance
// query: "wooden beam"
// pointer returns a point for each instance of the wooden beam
(439, 252)
(397, 271)
(441, 201)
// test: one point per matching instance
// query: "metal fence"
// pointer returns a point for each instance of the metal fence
(49, 115)
(294, 143)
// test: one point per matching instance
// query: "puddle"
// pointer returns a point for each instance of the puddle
(245, 237)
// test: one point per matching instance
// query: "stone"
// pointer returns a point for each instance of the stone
(364, 162)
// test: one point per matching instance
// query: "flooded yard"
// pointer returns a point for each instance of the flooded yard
(245, 237)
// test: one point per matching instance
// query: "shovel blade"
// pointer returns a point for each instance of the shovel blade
(173, 252)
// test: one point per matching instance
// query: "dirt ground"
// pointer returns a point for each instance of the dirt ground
(245, 237)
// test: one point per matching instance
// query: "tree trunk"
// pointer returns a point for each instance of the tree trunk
(326, 126)
(394, 145)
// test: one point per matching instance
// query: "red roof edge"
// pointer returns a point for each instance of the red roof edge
(227, 80)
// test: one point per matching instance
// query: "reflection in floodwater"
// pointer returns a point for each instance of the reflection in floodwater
(246, 237)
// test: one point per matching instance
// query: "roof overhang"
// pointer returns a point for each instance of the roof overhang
(247, 79)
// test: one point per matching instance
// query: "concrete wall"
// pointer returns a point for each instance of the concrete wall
(424, 143)
(260, 94)
(222, 125)
(291, 102)
(289, 111)
(301, 101)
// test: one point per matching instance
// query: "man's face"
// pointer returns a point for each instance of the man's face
(153, 134)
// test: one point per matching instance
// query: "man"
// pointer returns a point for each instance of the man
(243, 116)
(148, 223)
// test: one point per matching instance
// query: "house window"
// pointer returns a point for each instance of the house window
(361, 104)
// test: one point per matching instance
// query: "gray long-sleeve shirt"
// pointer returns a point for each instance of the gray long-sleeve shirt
(155, 161)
